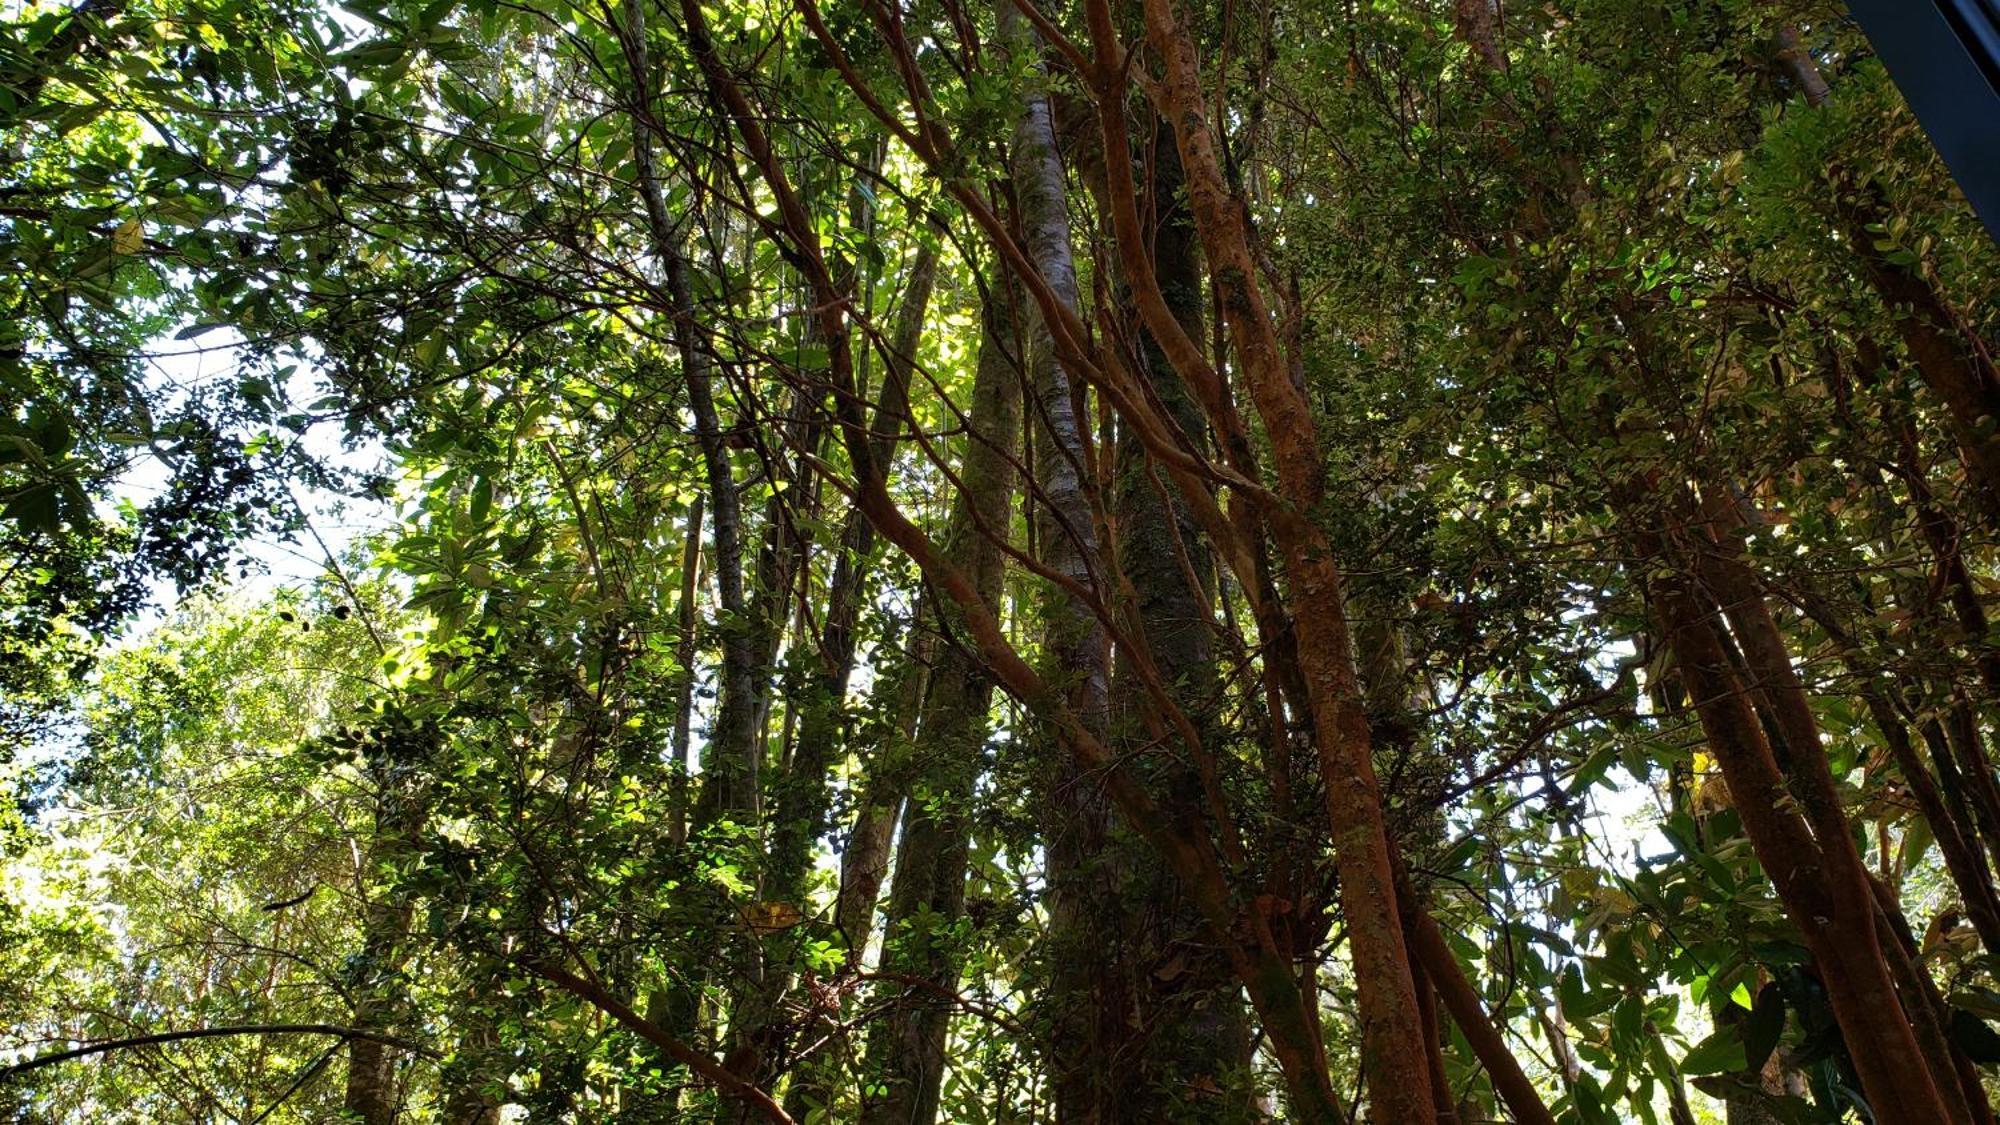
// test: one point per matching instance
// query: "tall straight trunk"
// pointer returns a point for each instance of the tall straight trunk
(728, 782)
(1930, 1017)
(728, 777)
(1975, 769)
(864, 860)
(1392, 1031)
(1259, 945)
(1170, 1040)
(906, 1053)
(1066, 530)
(1952, 786)
(727, 770)
(373, 1096)
(1769, 667)
(687, 617)
(802, 794)
(1441, 1103)
(1756, 714)
(783, 556)
(792, 222)
(1074, 817)
(1191, 1059)
(864, 863)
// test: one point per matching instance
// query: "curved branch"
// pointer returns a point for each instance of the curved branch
(213, 1033)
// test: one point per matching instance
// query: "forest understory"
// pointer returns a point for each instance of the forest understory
(1407, 562)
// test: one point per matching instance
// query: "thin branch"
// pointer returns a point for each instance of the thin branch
(214, 1033)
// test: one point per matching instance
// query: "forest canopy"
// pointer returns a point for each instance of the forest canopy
(1417, 562)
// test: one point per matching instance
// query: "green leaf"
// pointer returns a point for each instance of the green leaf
(1764, 1027)
(37, 507)
(482, 499)
(1720, 1053)
(1461, 853)
(376, 53)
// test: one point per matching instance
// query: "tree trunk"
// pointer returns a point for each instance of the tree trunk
(470, 1100)
(684, 653)
(1469, 1013)
(1963, 860)
(1391, 1032)
(728, 782)
(373, 1095)
(1941, 799)
(1957, 368)
(1065, 537)
(906, 1054)
(1930, 1018)
(1172, 1036)
(1810, 858)
(727, 777)
(800, 795)
(864, 863)
(1427, 1004)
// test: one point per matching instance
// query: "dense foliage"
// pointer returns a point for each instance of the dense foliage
(1379, 560)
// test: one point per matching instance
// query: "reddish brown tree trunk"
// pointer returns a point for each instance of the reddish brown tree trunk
(1391, 1032)
(1929, 1016)
(1956, 367)
(1957, 370)
(1810, 858)
(1442, 970)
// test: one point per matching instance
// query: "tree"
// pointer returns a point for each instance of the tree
(1089, 562)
